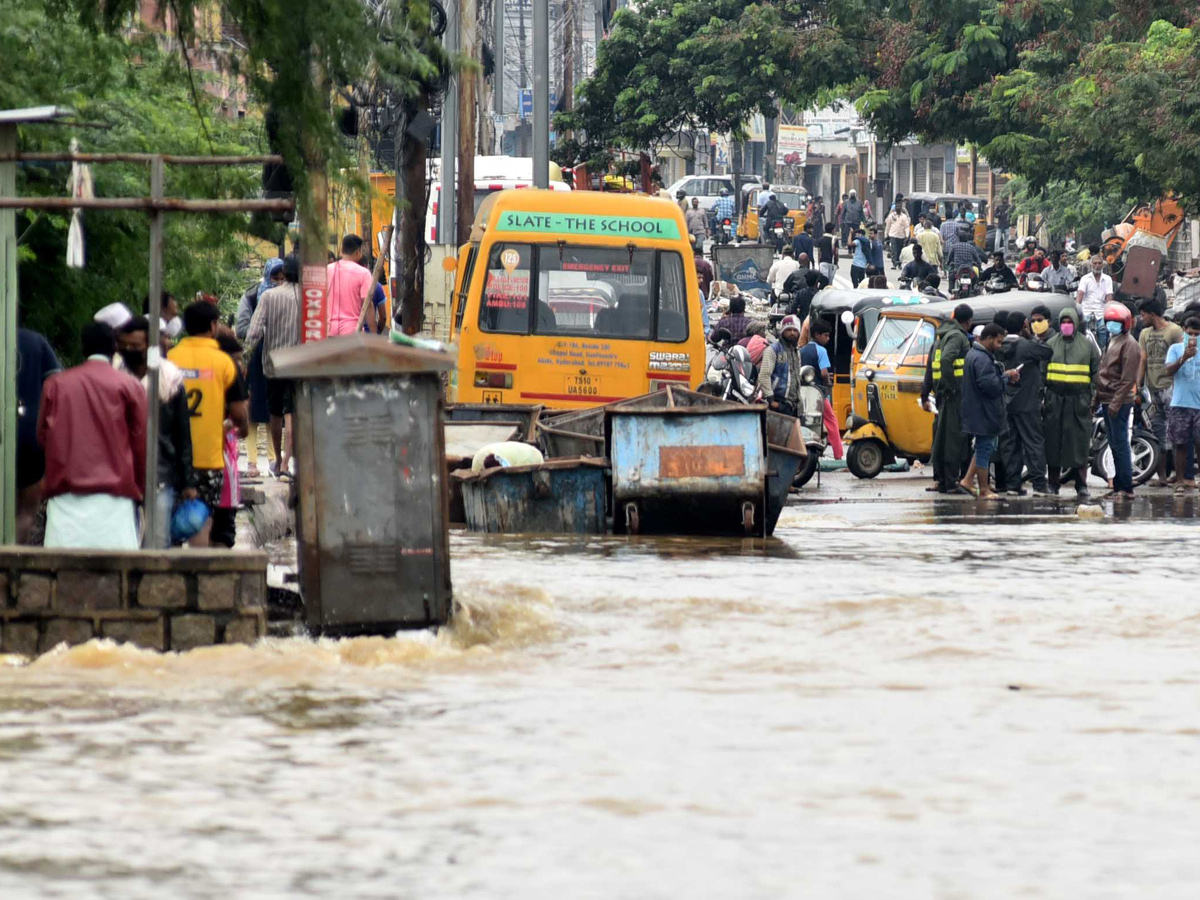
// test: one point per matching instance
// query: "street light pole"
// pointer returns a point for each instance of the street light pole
(541, 93)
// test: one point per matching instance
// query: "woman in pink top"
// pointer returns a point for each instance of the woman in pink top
(348, 283)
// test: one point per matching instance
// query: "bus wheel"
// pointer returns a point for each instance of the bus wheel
(864, 459)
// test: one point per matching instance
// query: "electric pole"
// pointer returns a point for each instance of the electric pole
(469, 20)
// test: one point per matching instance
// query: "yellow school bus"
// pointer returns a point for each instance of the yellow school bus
(575, 299)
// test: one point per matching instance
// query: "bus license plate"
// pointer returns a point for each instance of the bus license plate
(583, 385)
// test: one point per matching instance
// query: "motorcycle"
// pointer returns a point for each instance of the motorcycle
(778, 232)
(997, 285)
(1033, 281)
(729, 373)
(965, 284)
(724, 231)
(811, 413)
(1143, 445)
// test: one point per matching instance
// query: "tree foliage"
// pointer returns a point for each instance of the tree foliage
(1069, 207)
(144, 100)
(668, 65)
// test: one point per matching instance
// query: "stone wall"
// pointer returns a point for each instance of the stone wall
(162, 600)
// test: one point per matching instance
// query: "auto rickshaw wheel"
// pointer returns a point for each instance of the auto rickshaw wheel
(864, 459)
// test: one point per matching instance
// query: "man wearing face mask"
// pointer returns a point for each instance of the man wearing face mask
(1022, 442)
(1115, 387)
(176, 478)
(779, 373)
(1067, 413)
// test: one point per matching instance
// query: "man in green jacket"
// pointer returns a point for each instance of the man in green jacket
(1067, 416)
(950, 446)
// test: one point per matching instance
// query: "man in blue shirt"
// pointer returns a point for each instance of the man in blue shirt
(814, 353)
(723, 208)
(1183, 416)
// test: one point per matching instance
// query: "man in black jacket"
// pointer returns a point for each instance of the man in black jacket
(1022, 443)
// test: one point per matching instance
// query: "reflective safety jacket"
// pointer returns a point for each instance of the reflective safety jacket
(949, 353)
(1074, 363)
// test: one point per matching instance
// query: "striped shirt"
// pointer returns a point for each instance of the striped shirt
(276, 323)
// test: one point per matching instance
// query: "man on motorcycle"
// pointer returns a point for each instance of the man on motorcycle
(1033, 264)
(779, 373)
(963, 252)
(999, 269)
(917, 270)
(722, 209)
(765, 196)
(945, 375)
(781, 269)
(772, 212)
(1115, 386)
(1057, 276)
(1067, 409)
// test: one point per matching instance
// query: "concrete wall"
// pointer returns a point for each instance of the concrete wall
(174, 600)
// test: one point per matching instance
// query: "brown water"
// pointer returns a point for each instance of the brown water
(834, 714)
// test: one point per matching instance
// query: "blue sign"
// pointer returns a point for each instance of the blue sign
(748, 276)
(525, 102)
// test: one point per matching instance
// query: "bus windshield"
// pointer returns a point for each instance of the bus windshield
(611, 292)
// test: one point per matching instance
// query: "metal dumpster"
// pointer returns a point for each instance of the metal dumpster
(561, 496)
(689, 469)
(372, 516)
(786, 455)
(522, 417)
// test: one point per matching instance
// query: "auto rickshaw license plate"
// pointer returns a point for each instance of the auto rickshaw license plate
(583, 385)
(887, 391)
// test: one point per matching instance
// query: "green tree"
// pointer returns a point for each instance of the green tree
(144, 100)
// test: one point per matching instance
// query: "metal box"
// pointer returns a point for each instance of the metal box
(561, 496)
(372, 518)
(687, 470)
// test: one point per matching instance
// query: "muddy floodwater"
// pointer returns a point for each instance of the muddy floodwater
(890, 700)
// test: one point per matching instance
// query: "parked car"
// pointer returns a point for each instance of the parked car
(708, 187)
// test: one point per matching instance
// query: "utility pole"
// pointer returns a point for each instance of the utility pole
(498, 88)
(469, 19)
(541, 93)
(364, 173)
(568, 39)
(447, 224)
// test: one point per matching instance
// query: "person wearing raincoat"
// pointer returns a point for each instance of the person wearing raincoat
(1067, 413)
(950, 446)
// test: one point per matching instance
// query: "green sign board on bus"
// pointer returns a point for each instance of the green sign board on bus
(605, 226)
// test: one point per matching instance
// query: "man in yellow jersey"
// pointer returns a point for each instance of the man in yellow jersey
(215, 392)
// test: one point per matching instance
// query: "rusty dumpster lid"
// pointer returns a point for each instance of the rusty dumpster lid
(356, 354)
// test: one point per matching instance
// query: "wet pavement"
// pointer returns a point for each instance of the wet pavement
(897, 696)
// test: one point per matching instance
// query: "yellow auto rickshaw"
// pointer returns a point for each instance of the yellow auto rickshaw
(853, 314)
(887, 421)
(793, 197)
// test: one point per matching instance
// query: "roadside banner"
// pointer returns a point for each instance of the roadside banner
(312, 282)
(746, 265)
(791, 147)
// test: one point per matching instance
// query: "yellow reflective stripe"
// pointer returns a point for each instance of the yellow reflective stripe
(1068, 367)
(958, 364)
(1068, 379)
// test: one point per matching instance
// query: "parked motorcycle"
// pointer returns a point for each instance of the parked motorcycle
(1143, 445)
(730, 373)
(811, 414)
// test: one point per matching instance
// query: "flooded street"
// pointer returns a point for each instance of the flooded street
(894, 698)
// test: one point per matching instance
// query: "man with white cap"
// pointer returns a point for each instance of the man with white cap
(779, 373)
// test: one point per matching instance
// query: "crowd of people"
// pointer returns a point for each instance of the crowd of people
(1024, 392)
(83, 431)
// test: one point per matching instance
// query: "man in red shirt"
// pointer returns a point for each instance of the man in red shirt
(1033, 264)
(92, 426)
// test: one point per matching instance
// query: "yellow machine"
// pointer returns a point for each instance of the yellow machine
(794, 198)
(887, 422)
(573, 299)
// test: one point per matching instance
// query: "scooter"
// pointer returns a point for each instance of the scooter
(1143, 445)
(811, 413)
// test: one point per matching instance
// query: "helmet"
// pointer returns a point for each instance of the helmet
(789, 322)
(724, 192)
(680, 194)
(1118, 312)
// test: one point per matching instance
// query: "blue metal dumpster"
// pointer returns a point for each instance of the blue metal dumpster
(689, 469)
(561, 496)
